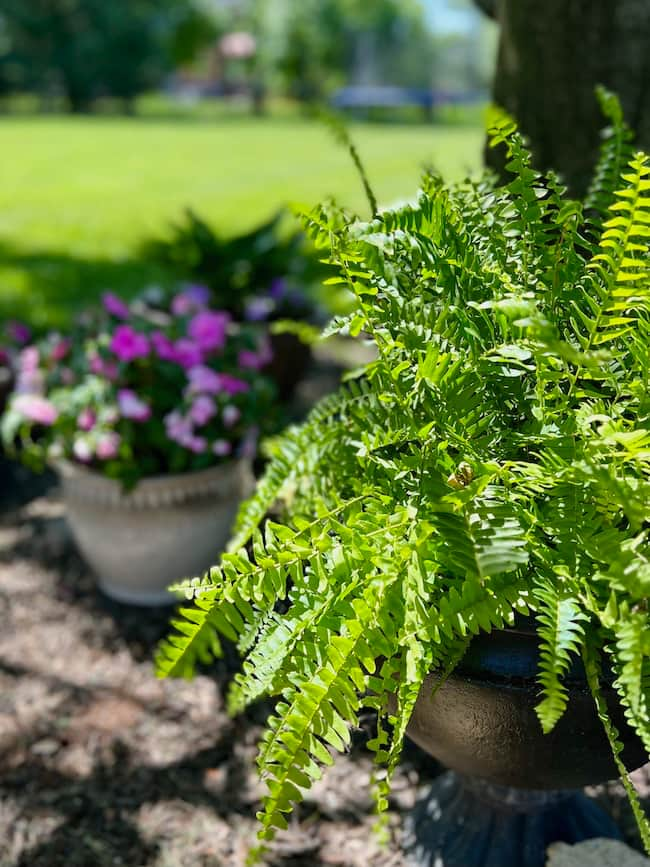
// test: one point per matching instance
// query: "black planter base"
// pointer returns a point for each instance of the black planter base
(467, 822)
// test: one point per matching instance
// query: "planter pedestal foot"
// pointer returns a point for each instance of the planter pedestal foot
(468, 822)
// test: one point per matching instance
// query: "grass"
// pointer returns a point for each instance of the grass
(77, 195)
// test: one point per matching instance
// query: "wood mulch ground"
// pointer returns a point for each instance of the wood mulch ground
(102, 764)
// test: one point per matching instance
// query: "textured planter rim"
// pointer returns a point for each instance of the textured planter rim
(167, 528)
(151, 491)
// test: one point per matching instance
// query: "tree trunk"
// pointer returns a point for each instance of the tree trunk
(552, 54)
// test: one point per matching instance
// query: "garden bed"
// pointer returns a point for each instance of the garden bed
(102, 764)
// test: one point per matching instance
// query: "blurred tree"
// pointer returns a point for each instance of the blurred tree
(552, 55)
(92, 48)
(330, 41)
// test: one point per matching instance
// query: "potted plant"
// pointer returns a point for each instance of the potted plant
(150, 413)
(468, 515)
(264, 275)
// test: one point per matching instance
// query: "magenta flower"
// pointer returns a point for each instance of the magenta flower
(131, 406)
(18, 332)
(230, 415)
(35, 408)
(198, 445)
(129, 344)
(221, 448)
(86, 420)
(108, 445)
(208, 329)
(256, 360)
(82, 450)
(60, 349)
(187, 353)
(114, 305)
(232, 385)
(202, 410)
(203, 379)
(163, 346)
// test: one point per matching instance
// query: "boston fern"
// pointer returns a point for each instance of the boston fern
(494, 460)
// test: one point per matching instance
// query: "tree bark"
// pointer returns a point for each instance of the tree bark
(552, 54)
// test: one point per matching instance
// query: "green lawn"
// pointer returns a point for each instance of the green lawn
(77, 195)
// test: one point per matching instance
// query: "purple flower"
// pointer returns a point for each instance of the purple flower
(108, 445)
(230, 415)
(198, 445)
(18, 332)
(208, 329)
(163, 346)
(256, 360)
(221, 448)
(232, 385)
(60, 349)
(86, 420)
(131, 406)
(259, 308)
(30, 378)
(178, 427)
(128, 344)
(35, 408)
(187, 353)
(114, 305)
(278, 288)
(202, 410)
(82, 450)
(203, 379)
(192, 299)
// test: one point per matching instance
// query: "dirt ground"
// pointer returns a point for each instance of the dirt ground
(102, 764)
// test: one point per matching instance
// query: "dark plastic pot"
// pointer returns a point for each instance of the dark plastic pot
(482, 721)
(291, 359)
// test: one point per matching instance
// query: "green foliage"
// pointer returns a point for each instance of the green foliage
(494, 460)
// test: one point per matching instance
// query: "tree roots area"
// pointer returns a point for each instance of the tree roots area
(102, 764)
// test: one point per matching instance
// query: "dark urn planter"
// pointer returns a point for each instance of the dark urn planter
(291, 359)
(511, 789)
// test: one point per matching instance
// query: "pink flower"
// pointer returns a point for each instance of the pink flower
(202, 410)
(108, 445)
(221, 448)
(198, 445)
(256, 360)
(29, 359)
(86, 420)
(208, 329)
(230, 415)
(129, 344)
(35, 408)
(18, 332)
(187, 353)
(163, 346)
(178, 427)
(203, 379)
(114, 305)
(232, 385)
(100, 367)
(131, 406)
(82, 450)
(60, 349)
(190, 300)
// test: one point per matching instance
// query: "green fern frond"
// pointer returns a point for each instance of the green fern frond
(561, 632)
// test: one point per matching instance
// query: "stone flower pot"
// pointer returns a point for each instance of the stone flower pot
(166, 529)
(511, 789)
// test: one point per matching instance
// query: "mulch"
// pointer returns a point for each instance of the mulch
(103, 764)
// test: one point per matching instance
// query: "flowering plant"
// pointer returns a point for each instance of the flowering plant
(142, 389)
(13, 336)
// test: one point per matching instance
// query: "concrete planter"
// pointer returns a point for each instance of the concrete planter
(166, 529)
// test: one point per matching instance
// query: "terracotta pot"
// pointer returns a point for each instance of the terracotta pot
(168, 528)
(482, 721)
